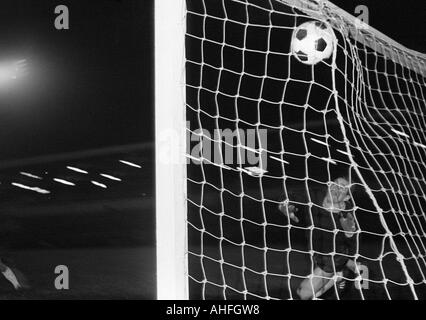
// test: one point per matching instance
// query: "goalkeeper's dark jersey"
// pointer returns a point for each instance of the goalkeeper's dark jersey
(322, 238)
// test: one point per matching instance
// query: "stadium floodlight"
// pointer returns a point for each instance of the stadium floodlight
(10, 72)
(358, 105)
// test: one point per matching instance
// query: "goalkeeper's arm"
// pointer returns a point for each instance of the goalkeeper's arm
(291, 203)
(289, 210)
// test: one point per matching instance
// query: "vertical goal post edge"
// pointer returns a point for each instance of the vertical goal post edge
(170, 171)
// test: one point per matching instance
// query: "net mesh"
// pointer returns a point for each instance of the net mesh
(264, 130)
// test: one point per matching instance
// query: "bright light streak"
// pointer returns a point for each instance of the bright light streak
(403, 134)
(68, 183)
(278, 159)
(77, 170)
(30, 175)
(320, 142)
(255, 171)
(99, 184)
(344, 152)
(131, 164)
(419, 145)
(110, 177)
(35, 189)
(329, 160)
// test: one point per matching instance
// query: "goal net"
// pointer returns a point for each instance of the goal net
(264, 130)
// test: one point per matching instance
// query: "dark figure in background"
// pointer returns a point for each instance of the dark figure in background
(332, 209)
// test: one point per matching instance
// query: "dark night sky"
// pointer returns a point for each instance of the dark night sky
(87, 87)
(92, 86)
(401, 20)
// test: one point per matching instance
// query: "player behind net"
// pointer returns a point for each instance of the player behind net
(332, 207)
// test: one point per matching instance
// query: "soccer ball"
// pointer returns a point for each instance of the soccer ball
(312, 42)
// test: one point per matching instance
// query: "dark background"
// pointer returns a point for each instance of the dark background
(87, 87)
(91, 87)
(403, 21)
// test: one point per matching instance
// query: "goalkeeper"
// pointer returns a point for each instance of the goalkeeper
(331, 208)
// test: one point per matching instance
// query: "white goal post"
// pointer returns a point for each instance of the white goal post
(169, 149)
(364, 110)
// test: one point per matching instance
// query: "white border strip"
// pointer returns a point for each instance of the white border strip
(172, 275)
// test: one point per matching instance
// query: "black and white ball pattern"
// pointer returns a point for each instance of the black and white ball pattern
(312, 42)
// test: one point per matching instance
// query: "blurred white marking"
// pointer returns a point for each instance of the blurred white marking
(329, 160)
(68, 183)
(255, 171)
(252, 171)
(401, 133)
(40, 190)
(77, 170)
(199, 160)
(250, 149)
(131, 164)
(320, 142)
(99, 184)
(35, 189)
(280, 160)
(110, 177)
(419, 145)
(30, 175)
(343, 152)
(243, 170)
